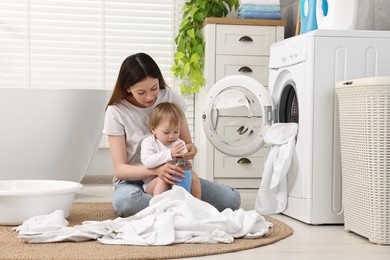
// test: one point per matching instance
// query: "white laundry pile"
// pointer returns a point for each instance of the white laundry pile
(272, 195)
(172, 217)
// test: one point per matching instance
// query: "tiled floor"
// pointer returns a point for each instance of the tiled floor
(307, 242)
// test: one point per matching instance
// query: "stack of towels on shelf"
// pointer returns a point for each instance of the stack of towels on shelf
(259, 9)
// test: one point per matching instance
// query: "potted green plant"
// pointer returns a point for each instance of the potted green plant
(189, 56)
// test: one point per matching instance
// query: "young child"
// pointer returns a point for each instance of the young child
(164, 146)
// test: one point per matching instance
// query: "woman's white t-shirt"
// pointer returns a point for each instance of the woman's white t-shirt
(126, 119)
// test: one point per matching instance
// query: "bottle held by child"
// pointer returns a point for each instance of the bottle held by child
(186, 182)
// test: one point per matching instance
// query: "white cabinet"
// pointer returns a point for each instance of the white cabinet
(233, 46)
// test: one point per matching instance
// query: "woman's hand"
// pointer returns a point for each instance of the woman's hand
(167, 172)
(189, 165)
(191, 151)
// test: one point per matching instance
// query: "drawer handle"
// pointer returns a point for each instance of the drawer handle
(244, 161)
(245, 69)
(246, 39)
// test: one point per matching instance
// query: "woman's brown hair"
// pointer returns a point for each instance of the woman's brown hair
(134, 69)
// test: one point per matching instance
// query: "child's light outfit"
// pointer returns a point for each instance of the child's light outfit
(154, 153)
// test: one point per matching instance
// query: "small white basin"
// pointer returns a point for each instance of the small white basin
(23, 199)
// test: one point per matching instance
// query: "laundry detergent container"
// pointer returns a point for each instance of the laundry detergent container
(307, 10)
(364, 113)
(337, 14)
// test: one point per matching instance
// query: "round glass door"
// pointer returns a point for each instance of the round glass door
(237, 112)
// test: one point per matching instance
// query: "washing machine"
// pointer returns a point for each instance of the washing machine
(303, 71)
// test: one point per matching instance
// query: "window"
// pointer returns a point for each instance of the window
(82, 43)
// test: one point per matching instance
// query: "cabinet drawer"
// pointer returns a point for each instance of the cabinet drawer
(244, 39)
(252, 66)
(230, 167)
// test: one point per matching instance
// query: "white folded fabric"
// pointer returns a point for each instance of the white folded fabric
(272, 194)
(260, 2)
(43, 223)
(174, 216)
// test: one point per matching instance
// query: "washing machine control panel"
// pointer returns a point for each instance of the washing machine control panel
(287, 54)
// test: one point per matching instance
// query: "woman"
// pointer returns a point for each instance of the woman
(139, 88)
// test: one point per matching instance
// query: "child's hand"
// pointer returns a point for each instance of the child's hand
(178, 150)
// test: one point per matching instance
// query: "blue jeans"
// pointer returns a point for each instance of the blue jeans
(129, 198)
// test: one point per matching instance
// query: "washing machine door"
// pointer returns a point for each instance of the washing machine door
(237, 112)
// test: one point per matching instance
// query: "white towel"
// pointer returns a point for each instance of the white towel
(43, 223)
(272, 194)
(260, 2)
(174, 216)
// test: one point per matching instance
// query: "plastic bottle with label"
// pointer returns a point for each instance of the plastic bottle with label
(186, 182)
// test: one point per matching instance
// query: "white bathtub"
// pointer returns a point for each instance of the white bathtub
(49, 133)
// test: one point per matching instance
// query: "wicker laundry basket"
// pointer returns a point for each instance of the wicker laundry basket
(364, 111)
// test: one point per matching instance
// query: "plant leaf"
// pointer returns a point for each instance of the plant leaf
(189, 56)
(191, 33)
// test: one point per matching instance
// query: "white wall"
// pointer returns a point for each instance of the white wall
(101, 164)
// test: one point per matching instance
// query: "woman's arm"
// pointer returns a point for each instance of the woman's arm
(185, 135)
(124, 171)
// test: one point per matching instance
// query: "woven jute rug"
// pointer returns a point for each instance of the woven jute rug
(12, 247)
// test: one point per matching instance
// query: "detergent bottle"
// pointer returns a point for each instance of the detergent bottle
(307, 10)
